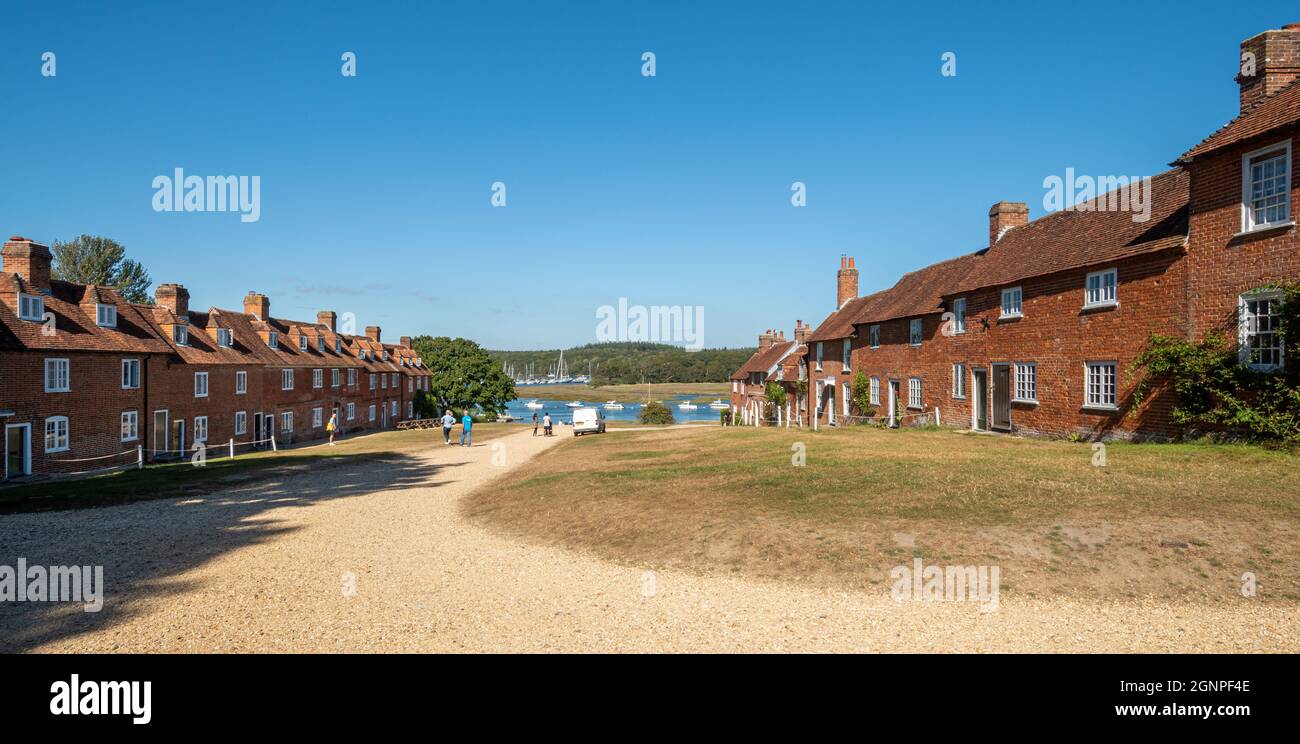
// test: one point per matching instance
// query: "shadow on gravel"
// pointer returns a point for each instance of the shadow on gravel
(143, 546)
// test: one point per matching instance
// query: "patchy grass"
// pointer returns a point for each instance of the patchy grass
(168, 480)
(730, 500)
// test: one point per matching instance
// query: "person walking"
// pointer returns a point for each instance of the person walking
(546, 425)
(534, 423)
(448, 421)
(332, 426)
(465, 423)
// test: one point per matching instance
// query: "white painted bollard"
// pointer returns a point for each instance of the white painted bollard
(936, 416)
(232, 448)
(273, 447)
(139, 457)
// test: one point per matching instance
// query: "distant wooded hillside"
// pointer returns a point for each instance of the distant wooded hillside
(630, 362)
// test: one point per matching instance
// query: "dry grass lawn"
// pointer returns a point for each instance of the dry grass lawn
(1178, 522)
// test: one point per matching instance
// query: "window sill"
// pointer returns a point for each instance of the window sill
(64, 390)
(1101, 409)
(1264, 229)
(914, 346)
(915, 408)
(1016, 316)
(1024, 402)
(959, 397)
(60, 449)
(1111, 305)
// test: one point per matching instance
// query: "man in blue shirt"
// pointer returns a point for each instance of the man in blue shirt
(465, 424)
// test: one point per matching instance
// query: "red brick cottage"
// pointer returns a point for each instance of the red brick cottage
(1035, 332)
(86, 377)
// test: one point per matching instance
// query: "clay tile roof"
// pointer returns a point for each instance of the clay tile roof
(1072, 239)
(919, 292)
(839, 324)
(763, 359)
(1276, 111)
(74, 329)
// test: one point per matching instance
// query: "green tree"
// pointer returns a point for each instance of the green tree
(655, 412)
(775, 395)
(91, 259)
(463, 376)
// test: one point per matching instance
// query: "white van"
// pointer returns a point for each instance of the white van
(586, 420)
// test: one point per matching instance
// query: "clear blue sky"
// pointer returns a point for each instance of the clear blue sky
(666, 190)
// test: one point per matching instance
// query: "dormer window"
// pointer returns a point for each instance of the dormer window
(302, 342)
(273, 340)
(385, 356)
(223, 337)
(31, 307)
(320, 344)
(338, 346)
(1266, 188)
(1012, 303)
(106, 315)
(181, 334)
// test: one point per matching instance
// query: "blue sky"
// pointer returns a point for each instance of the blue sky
(375, 190)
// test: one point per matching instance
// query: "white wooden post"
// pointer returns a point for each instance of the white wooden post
(139, 457)
(273, 447)
(936, 416)
(232, 448)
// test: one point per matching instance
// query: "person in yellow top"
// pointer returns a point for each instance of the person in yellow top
(332, 426)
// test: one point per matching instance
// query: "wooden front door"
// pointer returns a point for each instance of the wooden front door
(18, 454)
(1002, 397)
(160, 433)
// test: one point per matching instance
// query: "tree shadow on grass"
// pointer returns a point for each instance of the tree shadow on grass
(144, 546)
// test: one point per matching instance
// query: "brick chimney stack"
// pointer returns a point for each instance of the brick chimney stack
(174, 297)
(372, 333)
(846, 282)
(257, 304)
(29, 260)
(1275, 56)
(765, 339)
(328, 318)
(1004, 216)
(801, 331)
(405, 341)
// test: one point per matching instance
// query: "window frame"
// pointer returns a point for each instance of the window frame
(204, 377)
(372, 411)
(127, 379)
(67, 434)
(915, 332)
(286, 421)
(1087, 371)
(26, 299)
(241, 422)
(181, 334)
(67, 375)
(873, 334)
(352, 411)
(286, 379)
(225, 338)
(1019, 312)
(241, 382)
(819, 356)
(100, 309)
(875, 391)
(1248, 224)
(959, 318)
(317, 417)
(1274, 295)
(133, 434)
(272, 340)
(335, 377)
(959, 381)
(317, 379)
(197, 421)
(1030, 380)
(1091, 304)
(915, 398)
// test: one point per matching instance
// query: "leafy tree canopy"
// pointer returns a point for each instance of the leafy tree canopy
(91, 259)
(655, 412)
(463, 376)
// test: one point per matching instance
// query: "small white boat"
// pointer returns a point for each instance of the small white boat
(613, 405)
(718, 405)
(574, 404)
(533, 404)
(687, 406)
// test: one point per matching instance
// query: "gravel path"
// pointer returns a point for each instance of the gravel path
(265, 566)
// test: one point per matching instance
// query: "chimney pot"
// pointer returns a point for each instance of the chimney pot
(372, 333)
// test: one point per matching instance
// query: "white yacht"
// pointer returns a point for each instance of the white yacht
(686, 405)
(534, 404)
(574, 404)
(718, 405)
(613, 405)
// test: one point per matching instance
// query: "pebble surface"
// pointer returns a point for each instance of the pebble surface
(375, 557)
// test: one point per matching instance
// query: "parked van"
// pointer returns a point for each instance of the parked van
(587, 420)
